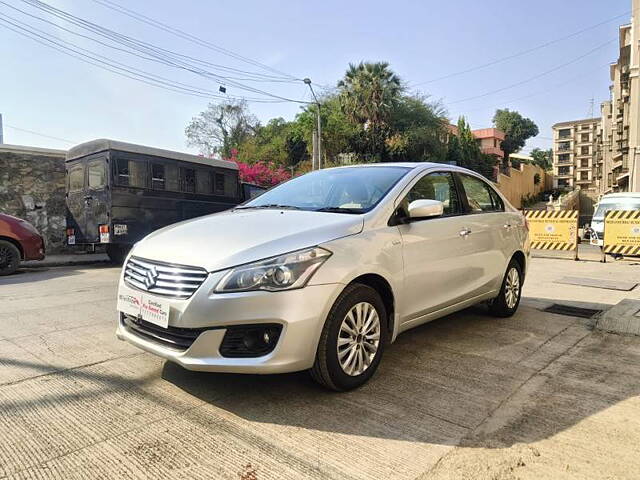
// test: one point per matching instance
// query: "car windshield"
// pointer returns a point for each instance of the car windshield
(631, 204)
(342, 190)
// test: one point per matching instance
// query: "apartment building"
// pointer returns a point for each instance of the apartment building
(575, 144)
(617, 163)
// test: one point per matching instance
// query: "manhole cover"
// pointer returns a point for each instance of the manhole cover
(572, 311)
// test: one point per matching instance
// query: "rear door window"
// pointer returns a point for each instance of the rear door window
(76, 178)
(218, 183)
(97, 175)
(480, 197)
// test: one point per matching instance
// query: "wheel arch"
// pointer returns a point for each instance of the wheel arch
(383, 287)
(521, 258)
(15, 243)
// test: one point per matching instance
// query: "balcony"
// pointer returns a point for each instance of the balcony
(583, 180)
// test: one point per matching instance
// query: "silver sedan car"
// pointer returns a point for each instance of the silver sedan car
(324, 271)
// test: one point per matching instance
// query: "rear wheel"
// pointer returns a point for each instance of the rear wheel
(9, 258)
(352, 341)
(506, 303)
(117, 253)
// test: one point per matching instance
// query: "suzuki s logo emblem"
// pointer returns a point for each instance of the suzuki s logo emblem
(151, 278)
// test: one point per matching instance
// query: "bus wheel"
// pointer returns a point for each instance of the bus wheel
(117, 253)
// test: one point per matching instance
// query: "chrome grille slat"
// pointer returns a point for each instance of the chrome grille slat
(172, 281)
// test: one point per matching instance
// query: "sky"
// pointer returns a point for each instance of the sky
(49, 99)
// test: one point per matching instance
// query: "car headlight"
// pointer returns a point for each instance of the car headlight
(285, 272)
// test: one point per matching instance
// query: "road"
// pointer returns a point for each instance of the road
(468, 396)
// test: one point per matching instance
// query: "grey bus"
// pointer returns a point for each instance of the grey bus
(119, 192)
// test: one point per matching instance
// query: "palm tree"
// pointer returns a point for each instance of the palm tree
(368, 94)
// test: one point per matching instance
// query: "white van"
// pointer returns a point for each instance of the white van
(613, 201)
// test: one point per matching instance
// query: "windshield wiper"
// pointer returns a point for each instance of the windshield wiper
(269, 205)
(339, 210)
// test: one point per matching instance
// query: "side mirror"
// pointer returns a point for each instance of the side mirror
(425, 209)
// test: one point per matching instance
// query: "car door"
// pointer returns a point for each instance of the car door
(75, 200)
(96, 200)
(489, 234)
(433, 249)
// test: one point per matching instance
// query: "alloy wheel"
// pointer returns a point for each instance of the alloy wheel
(512, 288)
(358, 338)
(6, 257)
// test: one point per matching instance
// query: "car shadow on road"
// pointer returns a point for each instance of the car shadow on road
(41, 274)
(445, 381)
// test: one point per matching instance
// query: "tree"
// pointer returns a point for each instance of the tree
(369, 92)
(221, 127)
(279, 142)
(517, 130)
(464, 150)
(542, 158)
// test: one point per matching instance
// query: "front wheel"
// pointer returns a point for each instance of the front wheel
(9, 258)
(352, 340)
(507, 301)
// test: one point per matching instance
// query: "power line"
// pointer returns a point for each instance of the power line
(535, 77)
(111, 65)
(164, 56)
(41, 134)
(520, 53)
(187, 36)
(257, 78)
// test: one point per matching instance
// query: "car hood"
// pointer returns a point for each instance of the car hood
(226, 239)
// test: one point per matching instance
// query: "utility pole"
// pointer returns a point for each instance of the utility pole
(318, 149)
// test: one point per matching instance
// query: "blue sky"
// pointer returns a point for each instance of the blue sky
(48, 92)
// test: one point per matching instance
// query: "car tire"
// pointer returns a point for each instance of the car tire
(117, 253)
(9, 258)
(507, 301)
(339, 350)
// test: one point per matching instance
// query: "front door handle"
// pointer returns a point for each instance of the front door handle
(507, 226)
(465, 232)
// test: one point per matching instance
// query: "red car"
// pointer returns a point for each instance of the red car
(19, 240)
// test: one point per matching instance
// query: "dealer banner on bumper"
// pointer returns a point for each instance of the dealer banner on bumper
(622, 232)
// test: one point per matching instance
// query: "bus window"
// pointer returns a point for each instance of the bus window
(131, 173)
(218, 183)
(76, 179)
(172, 178)
(202, 180)
(97, 176)
(188, 180)
(157, 176)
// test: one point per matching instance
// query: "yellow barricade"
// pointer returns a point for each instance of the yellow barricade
(553, 230)
(622, 232)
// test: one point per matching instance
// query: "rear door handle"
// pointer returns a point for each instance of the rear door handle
(508, 226)
(465, 232)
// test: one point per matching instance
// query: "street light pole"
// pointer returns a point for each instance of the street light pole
(319, 124)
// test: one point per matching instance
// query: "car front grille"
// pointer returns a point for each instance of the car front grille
(176, 281)
(173, 337)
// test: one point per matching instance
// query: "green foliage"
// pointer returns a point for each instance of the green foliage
(536, 179)
(528, 200)
(279, 142)
(517, 130)
(542, 158)
(464, 150)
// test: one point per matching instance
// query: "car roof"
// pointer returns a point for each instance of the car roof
(410, 165)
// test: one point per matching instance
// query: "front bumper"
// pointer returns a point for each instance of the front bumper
(301, 313)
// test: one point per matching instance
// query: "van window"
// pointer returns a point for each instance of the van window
(618, 204)
(172, 178)
(188, 180)
(218, 182)
(131, 173)
(158, 180)
(97, 175)
(76, 179)
(203, 182)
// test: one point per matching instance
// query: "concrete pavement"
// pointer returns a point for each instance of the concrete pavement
(538, 395)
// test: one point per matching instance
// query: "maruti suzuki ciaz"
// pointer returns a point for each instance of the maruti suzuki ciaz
(323, 272)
